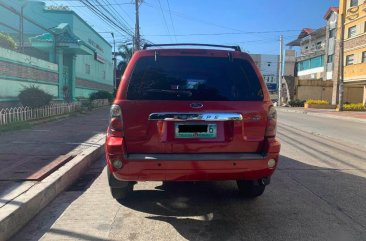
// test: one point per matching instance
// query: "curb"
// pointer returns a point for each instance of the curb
(19, 211)
(323, 115)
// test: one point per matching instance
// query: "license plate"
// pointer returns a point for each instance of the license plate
(194, 130)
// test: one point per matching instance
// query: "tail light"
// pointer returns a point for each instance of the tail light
(115, 128)
(271, 122)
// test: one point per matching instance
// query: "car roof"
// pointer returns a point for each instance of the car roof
(208, 52)
(234, 47)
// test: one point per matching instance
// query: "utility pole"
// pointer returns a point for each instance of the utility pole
(341, 65)
(114, 62)
(137, 27)
(21, 26)
(280, 72)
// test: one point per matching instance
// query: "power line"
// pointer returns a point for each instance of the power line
(105, 18)
(108, 10)
(162, 12)
(181, 15)
(127, 14)
(171, 20)
(112, 4)
(227, 33)
(83, 11)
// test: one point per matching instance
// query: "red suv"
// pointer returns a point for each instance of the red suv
(192, 115)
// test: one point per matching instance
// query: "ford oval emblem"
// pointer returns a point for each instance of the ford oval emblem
(196, 105)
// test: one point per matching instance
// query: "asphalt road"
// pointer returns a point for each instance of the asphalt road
(346, 131)
(317, 193)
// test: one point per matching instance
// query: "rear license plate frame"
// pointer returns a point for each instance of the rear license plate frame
(210, 134)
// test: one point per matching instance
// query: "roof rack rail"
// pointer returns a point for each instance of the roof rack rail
(236, 48)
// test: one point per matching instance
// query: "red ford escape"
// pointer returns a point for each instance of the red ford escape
(191, 115)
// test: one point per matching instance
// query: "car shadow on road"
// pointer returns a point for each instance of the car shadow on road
(303, 202)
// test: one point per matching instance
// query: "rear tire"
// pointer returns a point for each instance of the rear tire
(250, 189)
(119, 189)
(121, 193)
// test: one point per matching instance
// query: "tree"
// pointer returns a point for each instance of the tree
(126, 53)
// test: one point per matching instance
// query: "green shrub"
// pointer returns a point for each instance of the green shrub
(6, 41)
(317, 102)
(34, 97)
(101, 94)
(296, 103)
(358, 106)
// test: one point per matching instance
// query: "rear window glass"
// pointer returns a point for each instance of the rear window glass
(194, 78)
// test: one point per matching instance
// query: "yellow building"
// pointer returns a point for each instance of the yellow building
(354, 12)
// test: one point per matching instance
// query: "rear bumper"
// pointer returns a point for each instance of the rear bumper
(193, 167)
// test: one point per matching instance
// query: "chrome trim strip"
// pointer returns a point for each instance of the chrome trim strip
(196, 157)
(191, 116)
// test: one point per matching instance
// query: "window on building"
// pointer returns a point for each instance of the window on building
(350, 59)
(104, 75)
(318, 45)
(354, 3)
(364, 57)
(330, 59)
(332, 33)
(352, 32)
(87, 68)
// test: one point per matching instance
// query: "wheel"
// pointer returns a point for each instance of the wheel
(250, 189)
(119, 189)
(121, 193)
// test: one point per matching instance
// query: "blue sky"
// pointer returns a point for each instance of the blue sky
(254, 25)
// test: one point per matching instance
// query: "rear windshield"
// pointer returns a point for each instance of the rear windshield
(194, 78)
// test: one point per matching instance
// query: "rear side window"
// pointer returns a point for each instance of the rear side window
(194, 78)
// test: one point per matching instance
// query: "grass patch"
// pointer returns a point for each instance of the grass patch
(20, 125)
(15, 126)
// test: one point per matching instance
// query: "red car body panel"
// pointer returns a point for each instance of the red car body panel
(144, 136)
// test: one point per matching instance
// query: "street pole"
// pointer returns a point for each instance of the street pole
(21, 27)
(137, 27)
(280, 72)
(114, 62)
(341, 65)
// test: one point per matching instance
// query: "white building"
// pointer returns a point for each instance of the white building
(268, 65)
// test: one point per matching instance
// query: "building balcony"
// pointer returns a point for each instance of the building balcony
(310, 53)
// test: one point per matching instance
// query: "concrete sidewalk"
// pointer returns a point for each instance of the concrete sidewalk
(43, 161)
(357, 116)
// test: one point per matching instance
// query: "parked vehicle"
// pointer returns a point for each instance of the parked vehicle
(185, 114)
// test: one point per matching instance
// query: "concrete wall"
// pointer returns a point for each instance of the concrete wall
(290, 61)
(19, 70)
(353, 94)
(322, 90)
(313, 89)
